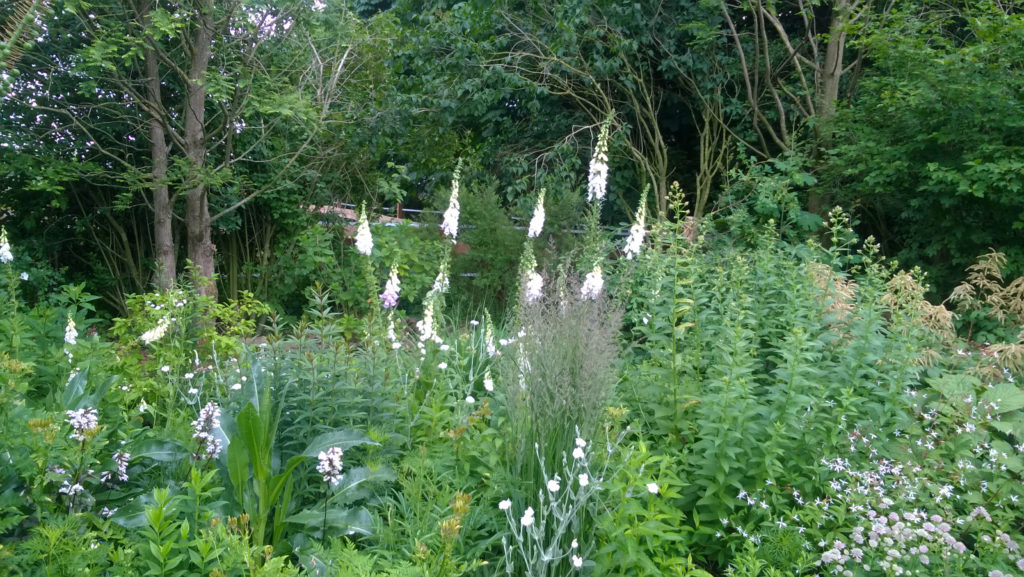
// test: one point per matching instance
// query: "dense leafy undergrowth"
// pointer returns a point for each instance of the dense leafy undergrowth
(728, 406)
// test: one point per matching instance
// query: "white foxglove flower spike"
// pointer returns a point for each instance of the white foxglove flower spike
(592, 284)
(450, 224)
(364, 240)
(6, 255)
(638, 230)
(537, 222)
(597, 179)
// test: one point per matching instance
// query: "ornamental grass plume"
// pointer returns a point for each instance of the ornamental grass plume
(566, 368)
(597, 178)
(537, 222)
(450, 224)
(364, 240)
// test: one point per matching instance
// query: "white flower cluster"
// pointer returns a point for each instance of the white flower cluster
(538, 534)
(492, 349)
(581, 444)
(70, 489)
(537, 222)
(592, 284)
(534, 286)
(6, 255)
(441, 283)
(597, 179)
(450, 224)
(70, 333)
(156, 333)
(203, 429)
(637, 231)
(426, 325)
(82, 421)
(364, 240)
(392, 337)
(330, 465)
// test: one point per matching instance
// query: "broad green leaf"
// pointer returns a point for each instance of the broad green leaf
(75, 390)
(342, 439)
(250, 432)
(164, 451)
(1004, 397)
(344, 521)
(954, 386)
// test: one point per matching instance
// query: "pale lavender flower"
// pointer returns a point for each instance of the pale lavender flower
(121, 460)
(330, 465)
(389, 298)
(203, 429)
(592, 284)
(82, 421)
(364, 240)
(537, 222)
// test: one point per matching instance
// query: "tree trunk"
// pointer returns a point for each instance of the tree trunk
(830, 74)
(832, 67)
(197, 209)
(163, 212)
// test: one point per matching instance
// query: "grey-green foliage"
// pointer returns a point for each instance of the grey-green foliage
(757, 360)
